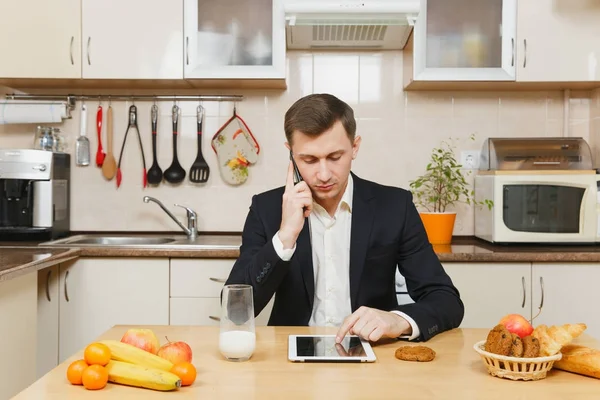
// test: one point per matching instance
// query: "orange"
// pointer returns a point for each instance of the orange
(94, 377)
(75, 371)
(97, 354)
(186, 372)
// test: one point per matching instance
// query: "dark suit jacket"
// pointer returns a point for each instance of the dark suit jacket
(387, 233)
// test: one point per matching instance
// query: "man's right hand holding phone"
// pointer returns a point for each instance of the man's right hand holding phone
(296, 206)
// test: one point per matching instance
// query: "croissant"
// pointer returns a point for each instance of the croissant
(552, 339)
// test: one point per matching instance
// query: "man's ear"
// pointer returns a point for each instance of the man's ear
(287, 145)
(356, 146)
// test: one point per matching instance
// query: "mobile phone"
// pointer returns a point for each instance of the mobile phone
(297, 176)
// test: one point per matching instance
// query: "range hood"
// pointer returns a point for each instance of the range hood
(349, 24)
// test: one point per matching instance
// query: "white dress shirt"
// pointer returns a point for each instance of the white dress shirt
(330, 241)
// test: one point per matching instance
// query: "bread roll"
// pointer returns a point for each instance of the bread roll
(552, 339)
(580, 360)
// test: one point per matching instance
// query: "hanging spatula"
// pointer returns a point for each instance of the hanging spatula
(199, 172)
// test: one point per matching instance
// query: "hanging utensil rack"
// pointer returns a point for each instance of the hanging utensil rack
(72, 99)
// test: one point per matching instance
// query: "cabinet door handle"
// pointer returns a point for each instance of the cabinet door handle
(187, 50)
(48, 285)
(542, 286)
(218, 280)
(88, 50)
(66, 291)
(214, 318)
(524, 52)
(512, 62)
(71, 50)
(524, 292)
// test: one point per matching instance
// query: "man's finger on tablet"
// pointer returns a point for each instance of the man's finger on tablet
(347, 325)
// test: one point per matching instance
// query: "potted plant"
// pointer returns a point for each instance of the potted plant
(442, 186)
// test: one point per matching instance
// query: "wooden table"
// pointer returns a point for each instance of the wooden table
(456, 373)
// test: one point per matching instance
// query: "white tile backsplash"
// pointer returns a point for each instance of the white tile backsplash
(398, 130)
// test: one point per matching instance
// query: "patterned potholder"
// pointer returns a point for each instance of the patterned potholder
(236, 150)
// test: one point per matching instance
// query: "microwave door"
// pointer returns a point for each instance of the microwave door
(542, 208)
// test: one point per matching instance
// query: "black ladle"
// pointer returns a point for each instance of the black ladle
(155, 174)
(175, 173)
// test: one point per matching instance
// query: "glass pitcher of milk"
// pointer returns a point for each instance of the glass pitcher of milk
(237, 339)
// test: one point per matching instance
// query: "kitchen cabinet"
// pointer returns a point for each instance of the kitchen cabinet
(18, 309)
(196, 291)
(465, 40)
(567, 293)
(98, 293)
(234, 39)
(48, 303)
(558, 41)
(40, 39)
(132, 39)
(490, 291)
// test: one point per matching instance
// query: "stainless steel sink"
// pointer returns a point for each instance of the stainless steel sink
(121, 241)
(174, 241)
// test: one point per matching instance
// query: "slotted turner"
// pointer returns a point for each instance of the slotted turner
(199, 172)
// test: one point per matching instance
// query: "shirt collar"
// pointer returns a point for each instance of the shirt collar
(348, 194)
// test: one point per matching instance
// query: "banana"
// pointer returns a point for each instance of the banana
(128, 353)
(125, 373)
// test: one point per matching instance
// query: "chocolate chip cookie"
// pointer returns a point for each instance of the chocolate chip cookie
(531, 347)
(517, 346)
(415, 353)
(499, 341)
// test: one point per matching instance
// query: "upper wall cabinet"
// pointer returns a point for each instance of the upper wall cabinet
(133, 39)
(558, 41)
(40, 39)
(237, 39)
(465, 40)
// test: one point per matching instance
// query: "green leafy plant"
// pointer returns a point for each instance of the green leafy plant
(443, 183)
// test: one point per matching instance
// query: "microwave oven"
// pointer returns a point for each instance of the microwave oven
(544, 190)
(538, 208)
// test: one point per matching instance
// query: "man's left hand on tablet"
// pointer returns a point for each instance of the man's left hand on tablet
(372, 324)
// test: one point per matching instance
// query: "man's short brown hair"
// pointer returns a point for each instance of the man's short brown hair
(316, 113)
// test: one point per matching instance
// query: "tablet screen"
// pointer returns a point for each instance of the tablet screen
(327, 347)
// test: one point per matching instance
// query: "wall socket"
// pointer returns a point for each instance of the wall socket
(469, 159)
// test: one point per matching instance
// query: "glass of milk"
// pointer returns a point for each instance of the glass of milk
(237, 338)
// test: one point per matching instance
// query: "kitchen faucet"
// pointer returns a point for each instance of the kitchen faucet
(192, 218)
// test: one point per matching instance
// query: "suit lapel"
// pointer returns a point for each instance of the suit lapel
(362, 222)
(304, 254)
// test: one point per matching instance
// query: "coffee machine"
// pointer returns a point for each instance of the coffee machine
(35, 192)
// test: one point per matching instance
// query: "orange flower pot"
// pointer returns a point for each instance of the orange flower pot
(439, 226)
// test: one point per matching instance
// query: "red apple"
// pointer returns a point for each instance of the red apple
(176, 352)
(516, 323)
(144, 339)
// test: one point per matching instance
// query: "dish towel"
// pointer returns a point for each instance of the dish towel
(28, 112)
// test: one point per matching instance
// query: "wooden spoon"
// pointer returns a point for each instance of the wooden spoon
(109, 166)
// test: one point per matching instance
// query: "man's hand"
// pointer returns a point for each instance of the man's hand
(296, 206)
(372, 324)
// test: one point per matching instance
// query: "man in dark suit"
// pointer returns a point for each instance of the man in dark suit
(328, 246)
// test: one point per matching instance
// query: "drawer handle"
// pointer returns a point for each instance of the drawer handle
(48, 285)
(218, 280)
(214, 318)
(524, 292)
(66, 291)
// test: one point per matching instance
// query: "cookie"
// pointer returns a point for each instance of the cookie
(517, 346)
(499, 341)
(415, 353)
(531, 347)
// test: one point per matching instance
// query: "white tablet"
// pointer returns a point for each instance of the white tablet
(323, 348)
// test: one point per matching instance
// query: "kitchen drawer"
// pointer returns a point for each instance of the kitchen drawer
(199, 277)
(205, 311)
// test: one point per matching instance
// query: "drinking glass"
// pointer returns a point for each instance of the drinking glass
(237, 339)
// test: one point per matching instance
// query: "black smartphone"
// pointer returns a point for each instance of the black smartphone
(297, 176)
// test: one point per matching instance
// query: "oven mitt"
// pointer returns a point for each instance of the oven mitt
(236, 150)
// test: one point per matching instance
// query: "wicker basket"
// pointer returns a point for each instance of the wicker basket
(516, 368)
